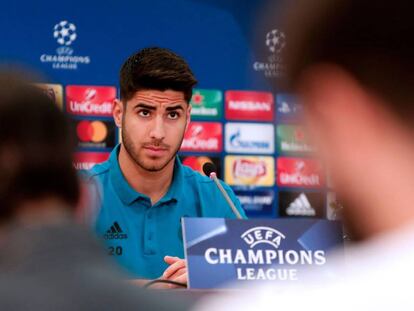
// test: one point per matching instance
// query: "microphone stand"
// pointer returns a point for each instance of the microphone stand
(213, 177)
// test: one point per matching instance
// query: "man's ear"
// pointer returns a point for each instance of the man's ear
(188, 115)
(118, 112)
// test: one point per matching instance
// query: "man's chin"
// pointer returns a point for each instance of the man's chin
(154, 165)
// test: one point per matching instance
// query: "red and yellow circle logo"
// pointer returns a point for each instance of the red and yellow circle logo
(91, 131)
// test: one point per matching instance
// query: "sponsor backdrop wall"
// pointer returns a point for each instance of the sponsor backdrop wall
(248, 129)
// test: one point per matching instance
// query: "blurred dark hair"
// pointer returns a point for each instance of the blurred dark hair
(36, 147)
(157, 69)
(372, 40)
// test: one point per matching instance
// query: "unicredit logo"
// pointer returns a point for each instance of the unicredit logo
(299, 172)
(90, 100)
(249, 169)
(91, 108)
(249, 106)
(90, 94)
(299, 166)
(299, 179)
(203, 136)
(196, 130)
(196, 143)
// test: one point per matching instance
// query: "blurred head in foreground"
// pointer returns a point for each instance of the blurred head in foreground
(47, 262)
(352, 63)
(37, 180)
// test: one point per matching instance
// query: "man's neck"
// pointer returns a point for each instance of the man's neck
(152, 184)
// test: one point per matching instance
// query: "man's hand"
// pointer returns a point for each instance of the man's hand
(177, 271)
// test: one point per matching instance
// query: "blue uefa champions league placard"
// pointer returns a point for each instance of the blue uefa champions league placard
(230, 252)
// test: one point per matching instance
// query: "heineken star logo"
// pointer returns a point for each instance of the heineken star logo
(299, 135)
(197, 99)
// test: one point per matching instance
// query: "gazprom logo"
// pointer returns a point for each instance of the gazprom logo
(263, 235)
(249, 138)
(237, 142)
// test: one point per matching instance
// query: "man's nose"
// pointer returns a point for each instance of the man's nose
(157, 130)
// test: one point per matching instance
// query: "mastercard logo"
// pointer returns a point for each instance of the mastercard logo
(91, 131)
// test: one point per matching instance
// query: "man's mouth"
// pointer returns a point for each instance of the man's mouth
(155, 151)
(155, 148)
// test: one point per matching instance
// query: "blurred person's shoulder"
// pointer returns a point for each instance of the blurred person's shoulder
(99, 169)
(95, 180)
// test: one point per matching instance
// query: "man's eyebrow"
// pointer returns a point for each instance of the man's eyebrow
(142, 105)
(176, 107)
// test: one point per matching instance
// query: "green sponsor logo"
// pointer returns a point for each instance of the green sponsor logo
(292, 139)
(207, 104)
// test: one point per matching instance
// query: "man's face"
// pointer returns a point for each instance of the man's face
(153, 125)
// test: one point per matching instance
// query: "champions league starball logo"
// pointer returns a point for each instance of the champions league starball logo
(275, 41)
(273, 67)
(65, 34)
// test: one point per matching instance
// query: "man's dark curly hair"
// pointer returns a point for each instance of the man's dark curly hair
(155, 69)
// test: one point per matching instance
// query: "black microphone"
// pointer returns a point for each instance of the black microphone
(210, 170)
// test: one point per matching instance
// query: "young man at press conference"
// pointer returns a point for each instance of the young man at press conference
(143, 189)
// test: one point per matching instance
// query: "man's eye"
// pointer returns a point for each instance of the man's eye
(173, 115)
(144, 113)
